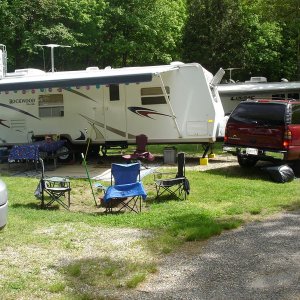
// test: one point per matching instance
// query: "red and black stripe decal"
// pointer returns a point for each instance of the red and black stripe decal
(145, 112)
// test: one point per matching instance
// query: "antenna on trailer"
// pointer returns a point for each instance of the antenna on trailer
(230, 71)
(52, 46)
(3, 61)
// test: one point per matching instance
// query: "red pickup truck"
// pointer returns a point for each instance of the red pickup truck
(267, 130)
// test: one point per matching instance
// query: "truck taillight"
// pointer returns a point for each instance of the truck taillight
(226, 136)
(287, 138)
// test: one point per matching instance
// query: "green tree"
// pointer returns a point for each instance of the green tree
(263, 46)
(100, 32)
(214, 33)
(84, 21)
(23, 18)
(245, 33)
(287, 12)
(138, 32)
(65, 22)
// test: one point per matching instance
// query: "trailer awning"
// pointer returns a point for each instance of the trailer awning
(64, 82)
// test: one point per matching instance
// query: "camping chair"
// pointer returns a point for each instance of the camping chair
(141, 150)
(127, 191)
(55, 187)
(177, 186)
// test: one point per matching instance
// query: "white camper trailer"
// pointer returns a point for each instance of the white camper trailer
(233, 93)
(176, 103)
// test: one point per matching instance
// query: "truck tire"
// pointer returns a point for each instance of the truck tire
(296, 168)
(246, 161)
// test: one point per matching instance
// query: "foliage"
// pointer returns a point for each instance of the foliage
(139, 32)
(239, 35)
(210, 35)
(116, 33)
(270, 50)
(288, 14)
(261, 37)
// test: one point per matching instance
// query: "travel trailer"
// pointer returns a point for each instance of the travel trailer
(232, 94)
(176, 103)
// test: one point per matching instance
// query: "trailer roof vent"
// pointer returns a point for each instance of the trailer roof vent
(92, 69)
(176, 63)
(257, 79)
(28, 72)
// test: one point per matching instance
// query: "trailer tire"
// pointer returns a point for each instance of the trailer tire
(103, 150)
(246, 161)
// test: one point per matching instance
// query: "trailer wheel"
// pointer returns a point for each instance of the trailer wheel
(103, 150)
(65, 153)
(246, 161)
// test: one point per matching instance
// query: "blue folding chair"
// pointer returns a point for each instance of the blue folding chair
(127, 191)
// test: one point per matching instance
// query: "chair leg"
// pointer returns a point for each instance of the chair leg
(133, 204)
(69, 199)
(56, 197)
(161, 190)
(136, 204)
(43, 199)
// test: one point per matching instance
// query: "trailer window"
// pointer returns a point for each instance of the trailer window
(153, 95)
(293, 96)
(51, 105)
(114, 92)
(296, 114)
(278, 96)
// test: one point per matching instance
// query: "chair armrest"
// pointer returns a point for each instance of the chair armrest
(51, 182)
(160, 175)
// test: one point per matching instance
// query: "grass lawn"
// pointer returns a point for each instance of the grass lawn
(84, 254)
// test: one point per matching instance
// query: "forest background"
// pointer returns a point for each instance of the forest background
(260, 37)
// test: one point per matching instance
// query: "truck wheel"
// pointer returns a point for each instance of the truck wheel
(296, 168)
(246, 162)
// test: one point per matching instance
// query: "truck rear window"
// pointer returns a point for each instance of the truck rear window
(259, 113)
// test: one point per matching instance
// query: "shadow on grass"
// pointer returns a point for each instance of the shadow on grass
(294, 206)
(36, 206)
(101, 277)
(108, 275)
(254, 173)
(162, 199)
(195, 226)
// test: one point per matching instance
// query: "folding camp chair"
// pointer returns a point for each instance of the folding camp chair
(141, 150)
(127, 191)
(177, 186)
(55, 187)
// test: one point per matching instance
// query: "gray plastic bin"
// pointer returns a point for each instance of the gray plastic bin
(170, 155)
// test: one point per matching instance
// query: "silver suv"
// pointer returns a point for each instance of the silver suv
(3, 204)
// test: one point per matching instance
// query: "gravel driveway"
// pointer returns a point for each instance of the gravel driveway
(258, 261)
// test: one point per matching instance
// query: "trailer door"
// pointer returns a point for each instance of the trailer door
(115, 113)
